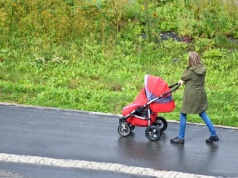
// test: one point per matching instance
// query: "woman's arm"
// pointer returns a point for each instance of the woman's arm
(186, 76)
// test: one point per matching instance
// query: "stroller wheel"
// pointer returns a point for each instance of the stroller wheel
(161, 123)
(124, 130)
(153, 133)
(131, 127)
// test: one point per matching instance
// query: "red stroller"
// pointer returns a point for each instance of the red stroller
(156, 96)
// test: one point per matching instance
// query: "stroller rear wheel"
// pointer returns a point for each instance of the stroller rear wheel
(131, 127)
(161, 123)
(153, 133)
(124, 130)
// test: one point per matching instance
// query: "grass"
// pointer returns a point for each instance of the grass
(92, 56)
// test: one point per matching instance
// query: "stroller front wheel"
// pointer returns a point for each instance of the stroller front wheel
(153, 133)
(124, 130)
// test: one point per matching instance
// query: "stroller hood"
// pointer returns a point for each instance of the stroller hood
(155, 87)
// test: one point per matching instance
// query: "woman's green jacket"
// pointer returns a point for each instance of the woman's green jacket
(194, 99)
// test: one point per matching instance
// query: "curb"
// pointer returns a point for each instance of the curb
(100, 113)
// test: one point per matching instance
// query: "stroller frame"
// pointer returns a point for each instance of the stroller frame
(154, 130)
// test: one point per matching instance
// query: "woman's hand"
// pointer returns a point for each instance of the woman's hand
(180, 82)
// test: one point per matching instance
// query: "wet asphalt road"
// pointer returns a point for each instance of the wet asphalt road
(34, 171)
(67, 134)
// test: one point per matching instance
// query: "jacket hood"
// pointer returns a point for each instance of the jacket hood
(199, 69)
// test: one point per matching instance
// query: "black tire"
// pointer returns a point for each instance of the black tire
(124, 131)
(153, 133)
(131, 127)
(161, 123)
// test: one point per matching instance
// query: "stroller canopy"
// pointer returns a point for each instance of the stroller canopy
(155, 87)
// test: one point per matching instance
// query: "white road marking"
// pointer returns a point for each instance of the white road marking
(91, 165)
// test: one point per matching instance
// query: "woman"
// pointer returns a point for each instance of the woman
(195, 99)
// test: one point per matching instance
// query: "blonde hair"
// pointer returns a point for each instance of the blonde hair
(193, 59)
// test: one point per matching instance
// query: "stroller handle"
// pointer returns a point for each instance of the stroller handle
(173, 87)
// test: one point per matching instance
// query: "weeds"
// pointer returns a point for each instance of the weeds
(93, 55)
